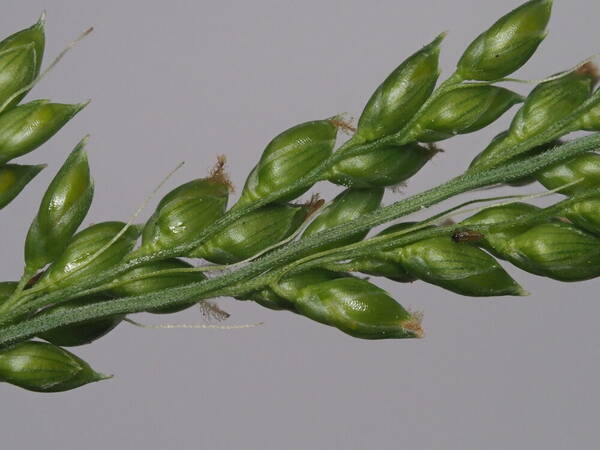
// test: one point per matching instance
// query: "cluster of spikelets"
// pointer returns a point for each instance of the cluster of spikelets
(24, 127)
(392, 142)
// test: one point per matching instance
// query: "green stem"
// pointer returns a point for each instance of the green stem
(13, 300)
(329, 259)
(290, 252)
(134, 260)
(40, 324)
(394, 240)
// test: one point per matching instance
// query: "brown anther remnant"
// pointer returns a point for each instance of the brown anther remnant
(434, 150)
(219, 175)
(414, 325)
(211, 311)
(314, 204)
(466, 236)
(342, 124)
(591, 70)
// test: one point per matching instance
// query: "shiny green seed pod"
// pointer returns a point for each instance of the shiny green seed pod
(590, 121)
(82, 259)
(81, 333)
(387, 166)
(547, 104)
(495, 239)
(6, 289)
(289, 289)
(585, 214)
(457, 267)
(269, 299)
(34, 35)
(184, 213)
(17, 71)
(357, 308)
(352, 305)
(20, 62)
(156, 276)
(63, 208)
(350, 205)
(508, 44)
(584, 168)
(26, 127)
(13, 179)
(381, 265)
(384, 263)
(401, 94)
(43, 367)
(287, 158)
(550, 102)
(420, 261)
(462, 110)
(557, 250)
(252, 233)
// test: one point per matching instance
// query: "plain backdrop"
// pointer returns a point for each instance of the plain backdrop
(175, 81)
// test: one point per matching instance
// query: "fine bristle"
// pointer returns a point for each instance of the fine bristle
(82, 105)
(42, 20)
(102, 376)
(83, 142)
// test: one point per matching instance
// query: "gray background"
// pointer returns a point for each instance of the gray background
(187, 80)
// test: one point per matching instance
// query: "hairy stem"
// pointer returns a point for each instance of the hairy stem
(287, 254)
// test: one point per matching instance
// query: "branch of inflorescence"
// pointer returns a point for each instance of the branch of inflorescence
(347, 150)
(264, 269)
